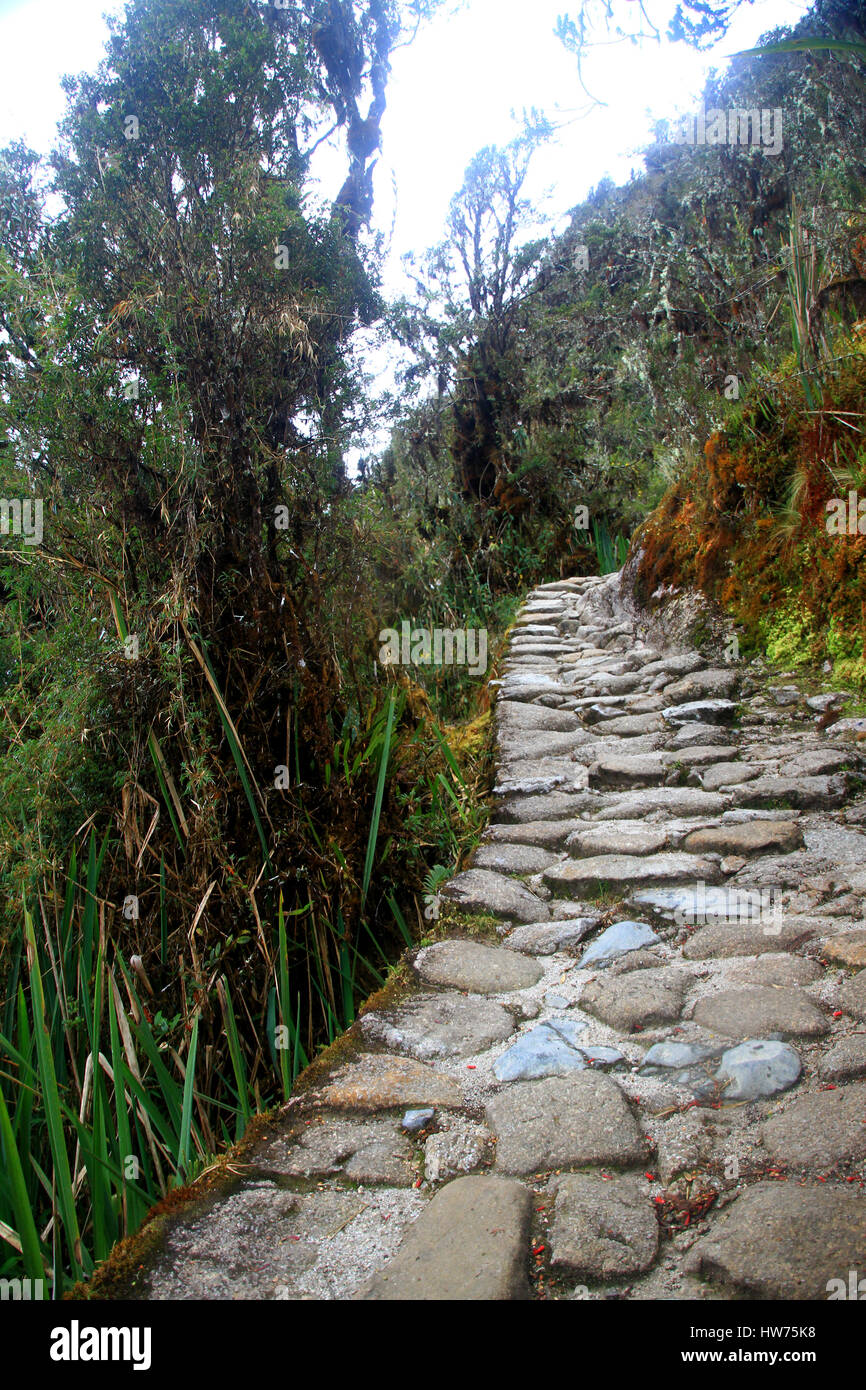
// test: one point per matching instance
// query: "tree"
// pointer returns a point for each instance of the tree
(464, 328)
(176, 382)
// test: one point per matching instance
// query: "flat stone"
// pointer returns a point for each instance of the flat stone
(758, 1068)
(679, 664)
(519, 715)
(256, 1243)
(371, 1151)
(618, 939)
(538, 646)
(690, 1066)
(614, 684)
(774, 872)
(628, 725)
(747, 938)
(564, 1122)
(755, 837)
(782, 1241)
(603, 1230)
(520, 744)
(378, 1081)
(468, 1245)
(439, 1025)
(827, 700)
(718, 681)
(600, 749)
(637, 999)
(548, 1050)
(676, 1056)
(695, 734)
(675, 801)
(614, 870)
(546, 833)
(819, 1131)
(685, 1145)
(779, 969)
(847, 728)
(459, 1149)
(643, 770)
(603, 1056)
(799, 792)
(535, 776)
(513, 859)
(785, 694)
(545, 938)
(755, 1013)
(701, 712)
(523, 688)
(699, 754)
(813, 763)
(845, 1061)
(479, 890)
(468, 965)
(617, 837)
(554, 806)
(725, 775)
(847, 949)
(852, 996)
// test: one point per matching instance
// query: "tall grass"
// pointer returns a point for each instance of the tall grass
(100, 1116)
(611, 551)
(105, 1104)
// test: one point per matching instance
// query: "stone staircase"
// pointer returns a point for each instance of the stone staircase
(633, 1065)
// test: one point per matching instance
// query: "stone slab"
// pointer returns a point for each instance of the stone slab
(603, 1230)
(469, 1245)
(782, 1241)
(479, 890)
(468, 965)
(564, 1122)
(429, 1026)
(759, 1012)
(379, 1081)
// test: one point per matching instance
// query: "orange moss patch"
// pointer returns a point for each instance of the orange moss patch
(747, 525)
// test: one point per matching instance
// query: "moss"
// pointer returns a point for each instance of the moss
(747, 525)
(124, 1273)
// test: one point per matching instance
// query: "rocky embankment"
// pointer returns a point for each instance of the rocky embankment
(633, 1064)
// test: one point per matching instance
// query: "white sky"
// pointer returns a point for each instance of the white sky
(450, 94)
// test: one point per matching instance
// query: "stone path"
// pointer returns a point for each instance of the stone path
(636, 1067)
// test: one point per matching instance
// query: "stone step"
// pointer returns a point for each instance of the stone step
(626, 870)
(471, 1244)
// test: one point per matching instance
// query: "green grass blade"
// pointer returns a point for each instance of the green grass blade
(51, 1103)
(377, 804)
(31, 1253)
(237, 1058)
(183, 1159)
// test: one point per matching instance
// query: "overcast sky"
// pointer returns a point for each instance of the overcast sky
(451, 93)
